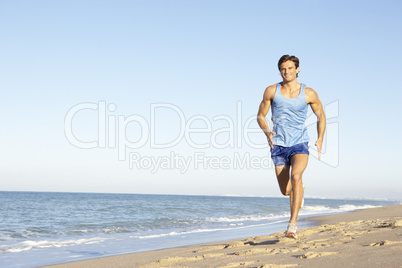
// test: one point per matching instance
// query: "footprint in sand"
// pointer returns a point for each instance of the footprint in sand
(242, 264)
(277, 266)
(254, 251)
(312, 255)
(176, 260)
(393, 223)
(317, 241)
(238, 264)
(396, 223)
(210, 248)
(212, 255)
(268, 242)
(384, 243)
(236, 245)
(263, 237)
(219, 247)
(173, 260)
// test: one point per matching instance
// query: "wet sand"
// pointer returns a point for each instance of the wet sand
(363, 238)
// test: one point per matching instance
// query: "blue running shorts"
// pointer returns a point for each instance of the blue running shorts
(281, 155)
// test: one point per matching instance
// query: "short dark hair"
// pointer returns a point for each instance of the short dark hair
(285, 58)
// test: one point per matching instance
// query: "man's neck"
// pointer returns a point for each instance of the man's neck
(291, 85)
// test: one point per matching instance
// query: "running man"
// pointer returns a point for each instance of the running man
(288, 140)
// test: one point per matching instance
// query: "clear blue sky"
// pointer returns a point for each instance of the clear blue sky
(208, 62)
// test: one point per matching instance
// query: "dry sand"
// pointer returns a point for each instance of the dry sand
(364, 238)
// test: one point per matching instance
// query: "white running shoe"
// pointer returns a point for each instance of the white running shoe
(292, 231)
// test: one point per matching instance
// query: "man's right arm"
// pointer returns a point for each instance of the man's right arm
(263, 111)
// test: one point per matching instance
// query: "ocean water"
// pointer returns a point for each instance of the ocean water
(38, 228)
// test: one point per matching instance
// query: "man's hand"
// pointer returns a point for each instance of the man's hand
(318, 143)
(270, 139)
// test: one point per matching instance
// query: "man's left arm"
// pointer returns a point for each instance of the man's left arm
(316, 106)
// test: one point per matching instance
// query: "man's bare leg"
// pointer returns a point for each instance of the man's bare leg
(282, 174)
(299, 164)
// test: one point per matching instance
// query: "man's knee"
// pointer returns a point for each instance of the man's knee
(296, 177)
(286, 191)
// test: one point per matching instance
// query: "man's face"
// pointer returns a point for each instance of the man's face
(289, 71)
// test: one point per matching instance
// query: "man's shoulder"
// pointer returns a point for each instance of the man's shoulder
(309, 91)
(311, 95)
(306, 88)
(270, 91)
(272, 87)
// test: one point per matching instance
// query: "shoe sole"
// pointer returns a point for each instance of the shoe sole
(291, 235)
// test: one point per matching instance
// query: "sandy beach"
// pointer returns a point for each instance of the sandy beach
(363, 238)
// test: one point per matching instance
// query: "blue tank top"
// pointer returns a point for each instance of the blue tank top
(289, 117)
